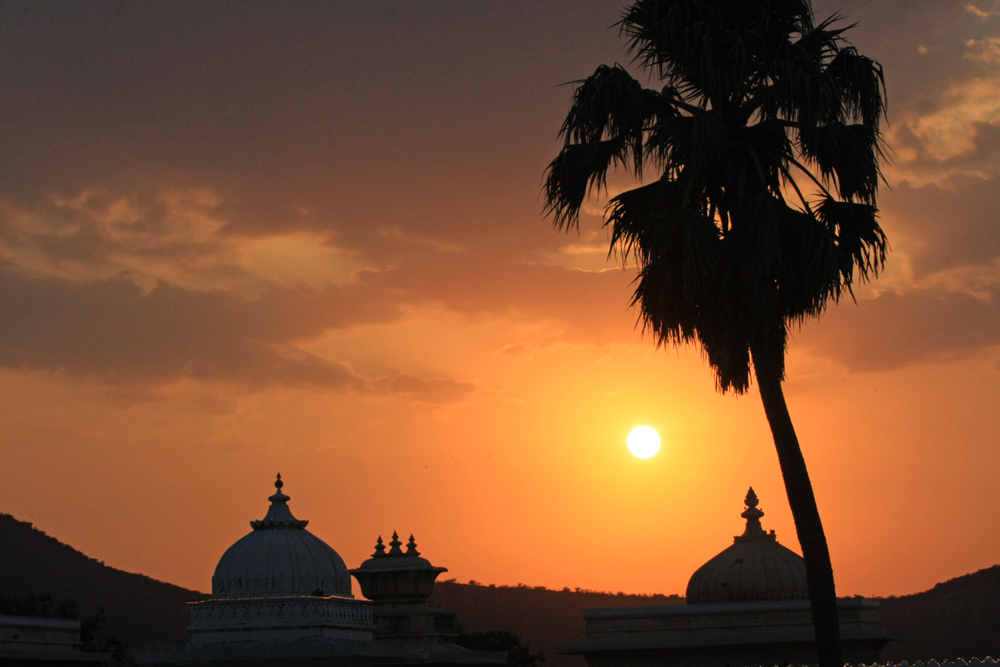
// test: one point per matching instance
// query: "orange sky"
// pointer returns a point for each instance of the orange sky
(237, 240)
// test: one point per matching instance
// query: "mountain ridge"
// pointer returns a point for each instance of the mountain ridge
(146, 613)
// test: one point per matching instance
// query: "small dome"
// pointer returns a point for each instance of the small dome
(280, 558)
(755, 569)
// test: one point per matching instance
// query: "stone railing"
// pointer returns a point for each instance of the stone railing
(972, 662)
(26, 631)
(279, 612)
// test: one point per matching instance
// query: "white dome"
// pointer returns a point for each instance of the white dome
(280, 558)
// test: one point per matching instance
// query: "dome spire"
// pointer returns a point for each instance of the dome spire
(753, 531)
(379, 548)
(411, 547)
(395, 544)
(278, 515)
(278, 496)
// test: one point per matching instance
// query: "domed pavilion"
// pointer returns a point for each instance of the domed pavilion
(281, 597)
(756, 568)
(279, 557)
(280, 582)
(748, 605)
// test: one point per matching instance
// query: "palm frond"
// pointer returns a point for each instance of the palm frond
(861, 243)
(604, 128)
(809, 274)
(848, 154)
(652, 224)
(862, 86)
(609, 103)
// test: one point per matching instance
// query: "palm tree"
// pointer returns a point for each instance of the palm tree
(765, 144)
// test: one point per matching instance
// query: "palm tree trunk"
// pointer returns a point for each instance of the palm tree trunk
(819, 571)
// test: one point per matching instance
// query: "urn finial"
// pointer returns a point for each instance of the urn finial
(395, 544)
(753, 516)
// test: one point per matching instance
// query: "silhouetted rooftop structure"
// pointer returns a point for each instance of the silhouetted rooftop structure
(756, 568)
(400, 586)
(46, 642)
(282, 596)
(279, 557)
(748, 605)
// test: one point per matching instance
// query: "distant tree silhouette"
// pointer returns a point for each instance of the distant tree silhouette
(43, 605)
(765, 144)
(518, 654)
(39, 606)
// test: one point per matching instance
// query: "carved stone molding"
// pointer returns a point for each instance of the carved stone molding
(239, 619)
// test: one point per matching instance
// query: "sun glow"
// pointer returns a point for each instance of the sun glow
(643, 442)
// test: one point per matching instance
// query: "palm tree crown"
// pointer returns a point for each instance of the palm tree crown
(765, 139)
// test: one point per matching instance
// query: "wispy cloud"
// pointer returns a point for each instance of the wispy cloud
(181, 235)
(951, 130)
(112, 330)
(435, 390)
(938, 325)
(985, 50)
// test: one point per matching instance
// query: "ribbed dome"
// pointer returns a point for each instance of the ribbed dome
(280, 557)
(755, 569)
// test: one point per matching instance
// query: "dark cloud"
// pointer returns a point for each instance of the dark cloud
(437, 117)
(515, 350)
(94, 229)
(427, 390)
(920, 43)
(942, 88)
(893, 331)
(949, 226)
(982, 158)
(110, 330)
(592, 305)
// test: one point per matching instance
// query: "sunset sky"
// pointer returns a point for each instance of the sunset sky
(246, 238)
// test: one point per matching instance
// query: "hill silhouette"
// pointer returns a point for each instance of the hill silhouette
(144, 613)
(957, 618)
(541, 617)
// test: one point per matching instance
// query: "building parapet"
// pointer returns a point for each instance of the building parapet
(242, 619)
(29, 640)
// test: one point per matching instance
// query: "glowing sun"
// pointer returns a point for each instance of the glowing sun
(643, 441)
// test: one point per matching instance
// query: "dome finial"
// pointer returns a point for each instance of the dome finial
(395, 544)
(278, 515)
(753, 516)
(379, 548)
(278, 496)
(411, 548)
